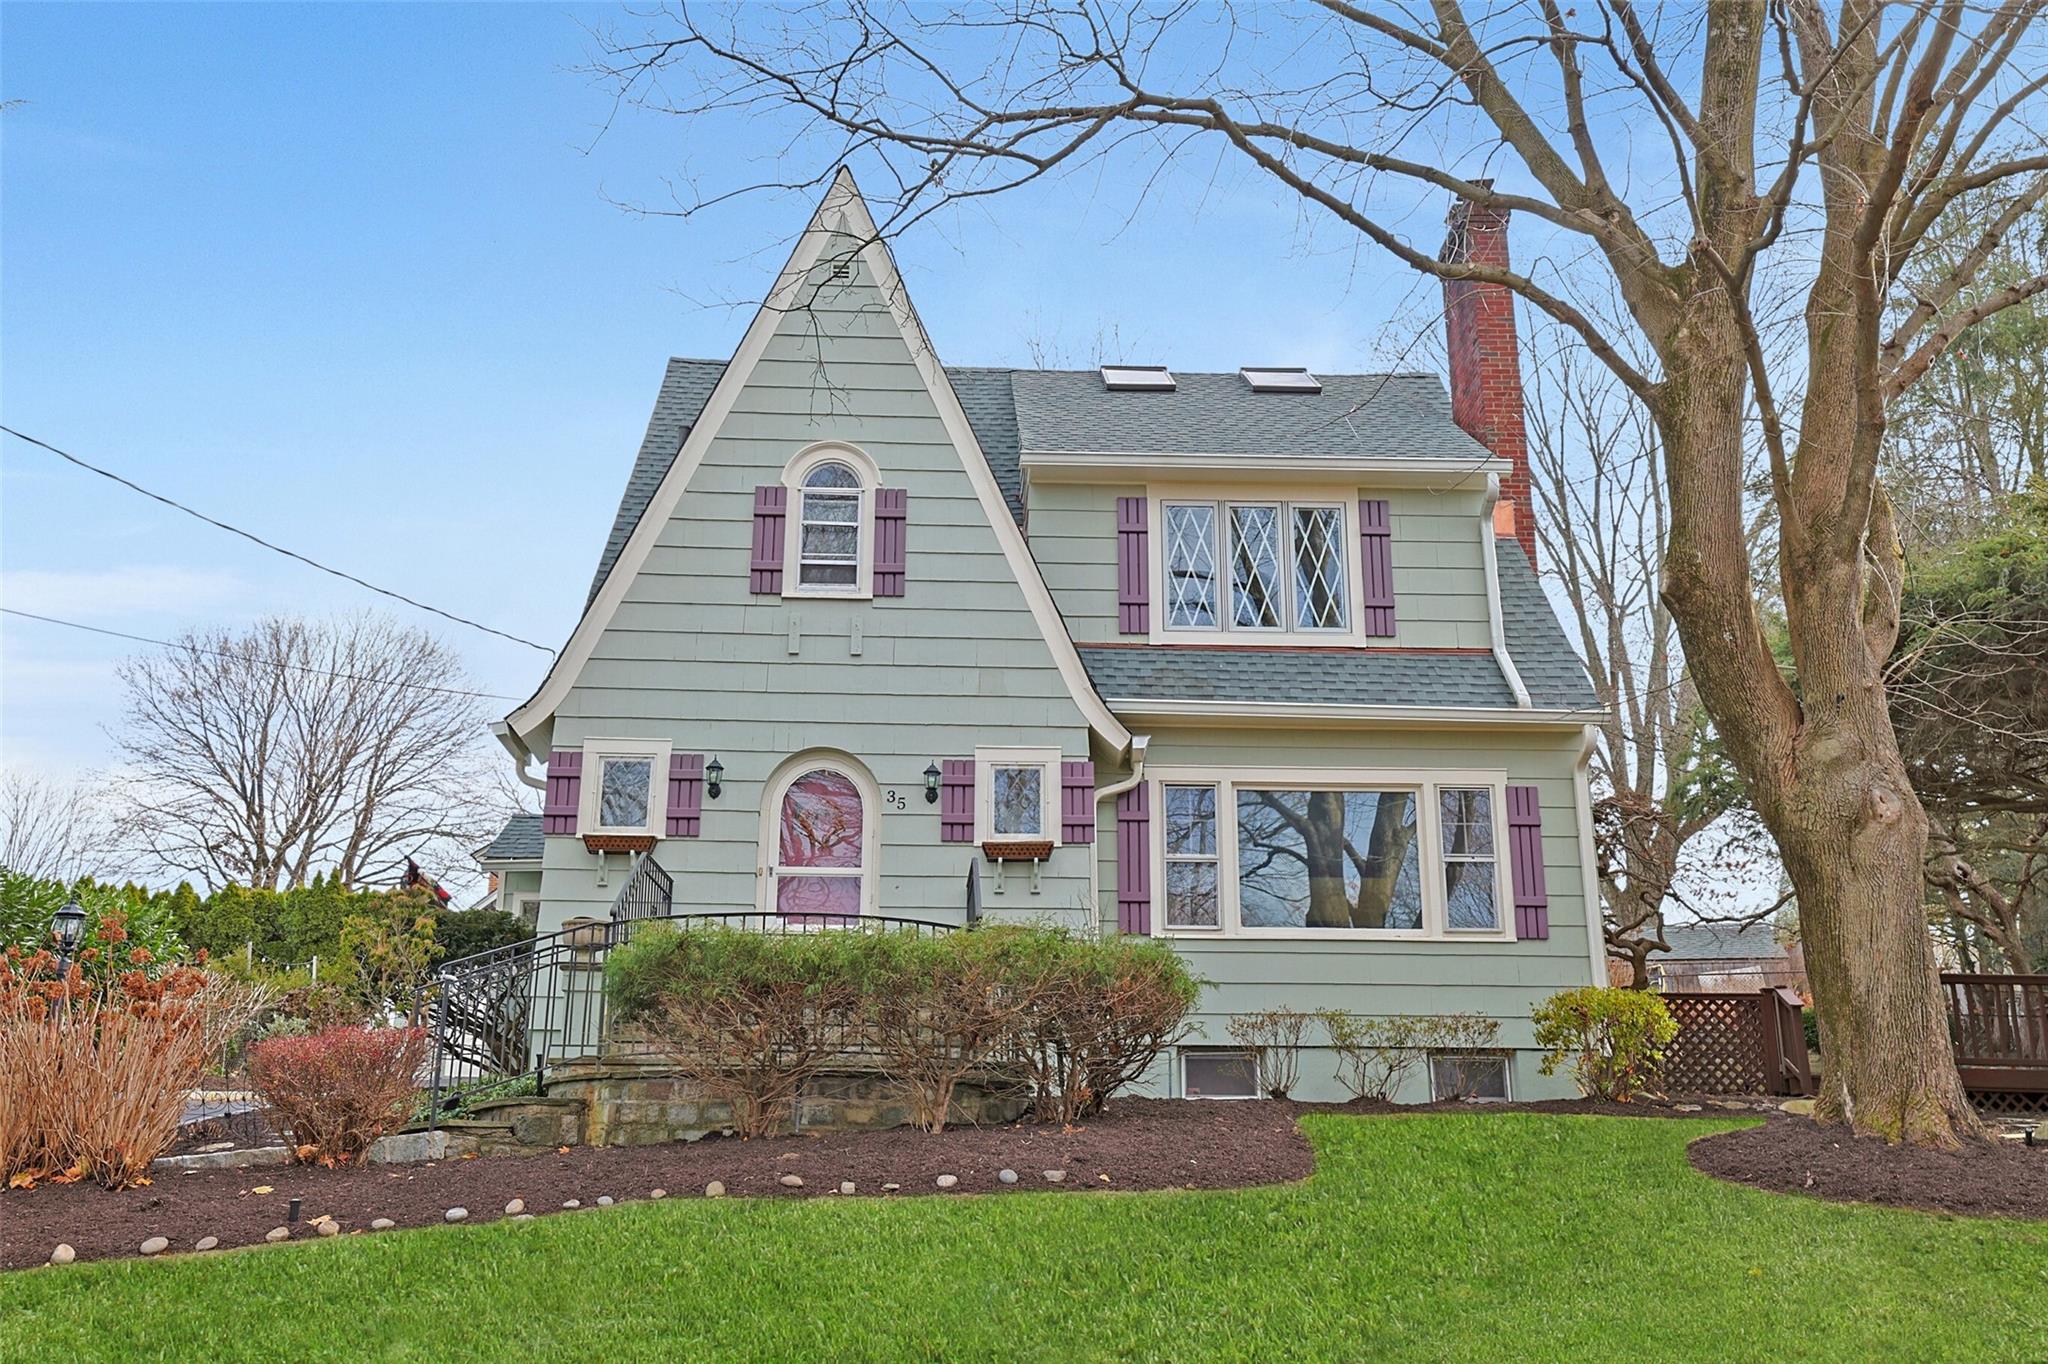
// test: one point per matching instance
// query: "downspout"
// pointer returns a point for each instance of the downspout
(1589, 872)
(1139, 742)
(521, 755)
(1489, 552)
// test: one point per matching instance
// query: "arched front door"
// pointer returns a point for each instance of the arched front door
(819, 859)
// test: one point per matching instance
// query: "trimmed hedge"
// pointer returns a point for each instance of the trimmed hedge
(752, 1016)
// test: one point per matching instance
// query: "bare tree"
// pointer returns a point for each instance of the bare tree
(55, 830)
(261, 758)
(1597, 474)
(1686, 157)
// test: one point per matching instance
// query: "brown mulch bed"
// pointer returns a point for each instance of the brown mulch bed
(2001, 1179)
(1142, 1144)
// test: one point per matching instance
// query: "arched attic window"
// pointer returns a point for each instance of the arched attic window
(848, 531)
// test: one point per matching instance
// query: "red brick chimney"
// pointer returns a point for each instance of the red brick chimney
(1486, 362)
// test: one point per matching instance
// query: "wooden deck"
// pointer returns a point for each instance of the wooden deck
(1999, 1025)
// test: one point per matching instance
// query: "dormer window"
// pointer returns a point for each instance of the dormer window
(1255, 566)
(1137, 379)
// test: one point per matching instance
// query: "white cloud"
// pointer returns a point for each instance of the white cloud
(103, 593)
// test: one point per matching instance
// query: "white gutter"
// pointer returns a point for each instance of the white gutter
(1589, 870)
(1489, 551)
(521, 754)
(1139, 743)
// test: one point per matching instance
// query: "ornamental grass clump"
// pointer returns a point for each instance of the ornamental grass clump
(337, 1091)
(1612, 1040)
(95, 1069)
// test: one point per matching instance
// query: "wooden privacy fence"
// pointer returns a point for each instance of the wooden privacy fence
(1737, 1042)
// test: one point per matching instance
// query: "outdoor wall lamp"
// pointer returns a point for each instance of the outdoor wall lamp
(931, 785)
(714, 778)
(67, 925)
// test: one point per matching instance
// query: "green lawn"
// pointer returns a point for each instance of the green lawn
(1474, 1239)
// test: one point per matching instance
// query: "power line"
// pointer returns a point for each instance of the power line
(239, 658)
(276, 549)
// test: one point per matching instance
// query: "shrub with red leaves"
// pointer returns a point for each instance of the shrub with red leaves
(339, 1090)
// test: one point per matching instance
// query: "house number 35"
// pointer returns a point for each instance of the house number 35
(894, 800)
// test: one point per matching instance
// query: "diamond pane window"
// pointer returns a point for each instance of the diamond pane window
(625, 794)
(1017, 802)
(1255, 581)
(1190, 565)
(1319, 568)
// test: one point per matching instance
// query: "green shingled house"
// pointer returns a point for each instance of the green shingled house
(1256, 662)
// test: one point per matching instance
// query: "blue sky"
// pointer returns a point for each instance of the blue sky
(355, 278)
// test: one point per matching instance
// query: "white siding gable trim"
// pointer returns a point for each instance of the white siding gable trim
(843, 211)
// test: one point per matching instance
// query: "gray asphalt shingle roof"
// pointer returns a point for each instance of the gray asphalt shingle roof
(1356, 416)
(1722, 942)
(1396, 415)
(519, 841)
(1333, 677)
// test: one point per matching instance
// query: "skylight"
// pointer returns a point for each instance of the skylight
(1277, 380)
(1137, 378)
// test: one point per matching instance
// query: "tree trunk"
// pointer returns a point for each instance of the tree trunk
(1822, 765)
(1323, 844)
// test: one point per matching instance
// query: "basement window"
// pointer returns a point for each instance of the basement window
(1476, 1077)
(1281, 380)
(1209, 1074)
(1137, 379)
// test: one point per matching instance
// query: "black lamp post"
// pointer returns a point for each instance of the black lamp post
(67, 925)
(931, 784)
(714, 778)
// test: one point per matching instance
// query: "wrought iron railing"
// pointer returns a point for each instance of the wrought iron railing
(501, 1020)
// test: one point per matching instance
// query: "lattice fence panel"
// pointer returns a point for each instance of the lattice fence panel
(2008, 1103)
(1719, 1048)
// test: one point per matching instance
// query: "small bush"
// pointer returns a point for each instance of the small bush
(750, 1017)
(337, 1091)
(941, 1009)
(1100, 1014)
(1375, 1056)
(1275, 1038)
(95, 1074)
(1612, 1040)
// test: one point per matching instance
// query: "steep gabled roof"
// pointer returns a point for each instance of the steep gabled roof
(1002, 405)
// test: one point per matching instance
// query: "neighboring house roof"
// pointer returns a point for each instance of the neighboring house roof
(1357, 414)
(519, 841)
(1720, 942)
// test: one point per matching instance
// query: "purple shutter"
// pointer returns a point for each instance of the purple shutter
(1134, 861)
(565, 790)
(892, 507)
(1133, 601)
(956, 800)
(771, 511)
(1077, 802)
(685, 794)
(1525, 856)
(1376, 564)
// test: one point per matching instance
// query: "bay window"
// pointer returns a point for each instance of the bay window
(1304, 853)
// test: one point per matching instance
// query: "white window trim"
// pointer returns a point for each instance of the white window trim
(1258, 1080)
(1212, 859)
(1423, 782)
(799, 467)
(520, 901)
(1222, 497)
(590, 794)
(769, 848)
(986, 760)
